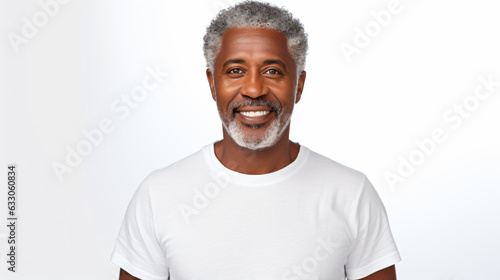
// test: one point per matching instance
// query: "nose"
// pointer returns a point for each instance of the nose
(253, 85)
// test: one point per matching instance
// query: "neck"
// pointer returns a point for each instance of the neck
(261, 161)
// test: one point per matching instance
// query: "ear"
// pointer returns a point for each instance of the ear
(300, 86)
(210, 78)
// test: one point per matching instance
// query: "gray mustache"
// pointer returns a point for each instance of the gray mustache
(274, 106)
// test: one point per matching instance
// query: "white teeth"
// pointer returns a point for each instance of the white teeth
(254, 113)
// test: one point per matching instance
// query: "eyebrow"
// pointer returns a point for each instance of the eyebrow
(275, 61)
(233, 61)
(266, 62)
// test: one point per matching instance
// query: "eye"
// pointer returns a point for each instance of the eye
(273, 71)
(235, 71)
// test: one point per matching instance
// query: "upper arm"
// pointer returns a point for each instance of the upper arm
(137, 249)
(373, 249)
(126, 276)
(388, 273)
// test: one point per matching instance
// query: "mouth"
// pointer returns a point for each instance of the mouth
(254, 115)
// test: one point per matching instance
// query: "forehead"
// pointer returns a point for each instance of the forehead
(253, 44)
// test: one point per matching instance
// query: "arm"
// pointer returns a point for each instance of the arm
(137, 250)
(126, 276)
(388, 273)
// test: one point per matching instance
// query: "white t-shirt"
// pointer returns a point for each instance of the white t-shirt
(197, 220)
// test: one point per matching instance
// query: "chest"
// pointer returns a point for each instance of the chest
(257, 235)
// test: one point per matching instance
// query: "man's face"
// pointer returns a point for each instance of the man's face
(255, 86)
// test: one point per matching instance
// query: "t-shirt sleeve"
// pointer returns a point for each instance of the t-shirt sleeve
(137, 250)
(374, 247)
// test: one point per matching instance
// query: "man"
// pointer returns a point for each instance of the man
(256, 205)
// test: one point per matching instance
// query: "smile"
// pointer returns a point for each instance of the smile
(254, 117)
(254, 113)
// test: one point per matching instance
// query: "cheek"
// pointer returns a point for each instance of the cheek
(226, 91)
(228, 85)
(223, 107)
(284, 92)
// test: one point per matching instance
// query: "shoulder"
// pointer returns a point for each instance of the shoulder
(179, 180)
(166, 187)
(329, 170)
(181, 169)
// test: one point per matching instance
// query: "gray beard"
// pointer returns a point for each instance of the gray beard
(268, 139)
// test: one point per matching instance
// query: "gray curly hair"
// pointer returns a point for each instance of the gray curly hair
(253, 14)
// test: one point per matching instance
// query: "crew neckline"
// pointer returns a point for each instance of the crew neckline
(255, 180)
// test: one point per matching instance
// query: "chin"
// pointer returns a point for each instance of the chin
(267, 139)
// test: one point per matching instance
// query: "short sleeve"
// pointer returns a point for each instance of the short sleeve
(137, 250)
(374, 247)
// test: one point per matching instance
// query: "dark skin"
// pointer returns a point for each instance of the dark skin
(126, 276)
(255, 64)
(388, 273)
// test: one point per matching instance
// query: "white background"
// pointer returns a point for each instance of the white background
(366, 112)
